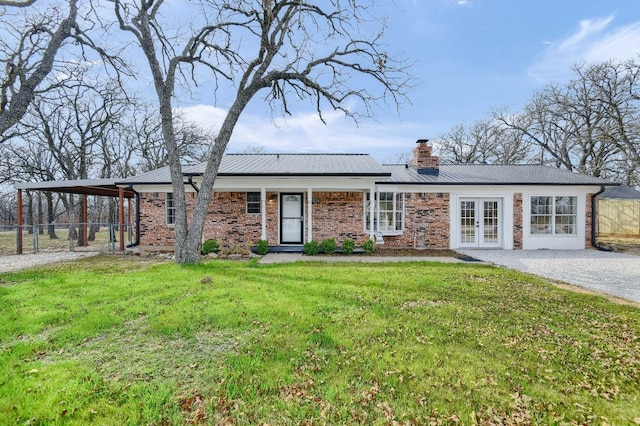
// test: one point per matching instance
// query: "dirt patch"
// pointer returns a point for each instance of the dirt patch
(622, 244)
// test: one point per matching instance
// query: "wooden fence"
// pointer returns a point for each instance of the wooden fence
(618, 217)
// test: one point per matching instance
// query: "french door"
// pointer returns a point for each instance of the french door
(291, 219)
(480, 222)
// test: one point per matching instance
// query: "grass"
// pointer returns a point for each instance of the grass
(113, 340)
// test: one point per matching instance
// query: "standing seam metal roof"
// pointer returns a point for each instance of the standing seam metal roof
(491, 175)
(291, 165)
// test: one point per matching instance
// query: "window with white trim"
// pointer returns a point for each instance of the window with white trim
(554, 215)
(171, 209)
(253, 202)
(388, 216)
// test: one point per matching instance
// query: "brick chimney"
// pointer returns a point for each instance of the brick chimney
(426, 163)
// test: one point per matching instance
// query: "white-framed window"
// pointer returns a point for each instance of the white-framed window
(253, 202)
(171, 209)
(554, 215)
(388, 216)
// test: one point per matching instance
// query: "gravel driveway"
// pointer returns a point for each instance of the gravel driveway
(617, 274)
(17, 262)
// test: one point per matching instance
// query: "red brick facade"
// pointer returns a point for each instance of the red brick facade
(427, 224)
(589, 220)
(338, 215)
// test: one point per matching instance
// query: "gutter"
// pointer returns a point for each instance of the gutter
(594, 241)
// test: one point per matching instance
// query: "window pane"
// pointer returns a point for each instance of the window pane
(541, 218)
(566, 209)
(253, 202)
(171, 209)
(388, 212)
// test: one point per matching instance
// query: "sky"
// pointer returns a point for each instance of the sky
(471, 56)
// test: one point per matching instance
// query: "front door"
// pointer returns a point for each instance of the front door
(480, 222)
(291, 219)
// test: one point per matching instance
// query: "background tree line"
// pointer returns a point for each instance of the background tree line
(589, 124)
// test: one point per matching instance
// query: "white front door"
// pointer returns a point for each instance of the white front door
(480, 222)
(291, 219)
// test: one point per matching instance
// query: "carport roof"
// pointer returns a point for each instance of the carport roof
(105, 187)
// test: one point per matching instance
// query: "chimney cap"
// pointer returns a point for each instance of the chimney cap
(422, 141)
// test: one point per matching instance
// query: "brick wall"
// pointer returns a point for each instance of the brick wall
(338, 215)
(517, 221)
(227, 219)
(229, 223)
(589, 219)
(427, 225)
(154, 230)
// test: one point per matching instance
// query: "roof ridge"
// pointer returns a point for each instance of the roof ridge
(293, 153)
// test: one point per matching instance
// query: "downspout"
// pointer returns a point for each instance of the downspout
(193, 185)
(594, 241)
(137, 241)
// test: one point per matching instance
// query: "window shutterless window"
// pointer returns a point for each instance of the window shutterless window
(253, 202)
(554, 215)
(171, 209)
(388, 214)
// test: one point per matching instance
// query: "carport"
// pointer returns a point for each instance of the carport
(85, 187)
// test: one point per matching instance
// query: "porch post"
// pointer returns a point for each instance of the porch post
(372, 201)
(19, 231)
(309, 214)
(121, 218)
(85, 219)
(263, 210)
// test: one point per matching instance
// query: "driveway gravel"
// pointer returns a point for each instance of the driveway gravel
(21, 261)
(616, 274)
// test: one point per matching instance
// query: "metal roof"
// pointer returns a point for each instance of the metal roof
(106, 187)
(622, 192)
(287, 165)
(299, 165)
(490, 175)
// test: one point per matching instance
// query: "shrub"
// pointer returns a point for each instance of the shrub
(369, 246)
(329, 246)
(348, 246)
(262, 247)
(210, 246)
(311, 248)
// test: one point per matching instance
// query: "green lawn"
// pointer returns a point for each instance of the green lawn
(119, 340)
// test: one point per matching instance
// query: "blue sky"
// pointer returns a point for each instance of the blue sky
(471, 56)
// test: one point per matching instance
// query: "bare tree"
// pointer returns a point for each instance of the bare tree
(28, 61)
(289, 49)
(483, 142)
(589, 124)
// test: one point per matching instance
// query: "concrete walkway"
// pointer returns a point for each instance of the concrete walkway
(298, 257)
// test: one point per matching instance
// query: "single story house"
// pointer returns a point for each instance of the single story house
(619, 211)
(290, 199)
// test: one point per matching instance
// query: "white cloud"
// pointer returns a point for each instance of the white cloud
(595, 40)
(305, 133)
